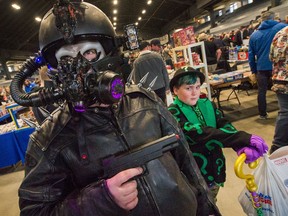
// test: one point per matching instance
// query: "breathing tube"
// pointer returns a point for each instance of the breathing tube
(43, 96)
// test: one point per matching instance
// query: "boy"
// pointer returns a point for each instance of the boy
(205, 129)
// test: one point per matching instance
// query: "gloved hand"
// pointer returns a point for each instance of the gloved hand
(257, 148)
(258, 143)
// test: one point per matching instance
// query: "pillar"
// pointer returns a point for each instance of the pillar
(212, 17)
(5, 68)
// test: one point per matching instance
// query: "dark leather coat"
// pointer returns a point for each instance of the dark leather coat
(59, 181)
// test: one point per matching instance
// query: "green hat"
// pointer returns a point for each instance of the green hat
(183, 72)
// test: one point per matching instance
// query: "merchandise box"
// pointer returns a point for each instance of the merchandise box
(231, 76)
(242, 56)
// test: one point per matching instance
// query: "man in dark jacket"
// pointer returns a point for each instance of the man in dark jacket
(213, 53)
(151, 64)
(238, 41)
(67, 158)
(259, 47)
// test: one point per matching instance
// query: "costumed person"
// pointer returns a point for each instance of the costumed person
(68, 165)
(206, 130)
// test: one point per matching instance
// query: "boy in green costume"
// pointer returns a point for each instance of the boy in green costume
(206, 130)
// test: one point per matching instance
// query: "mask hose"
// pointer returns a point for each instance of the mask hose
(41, 98)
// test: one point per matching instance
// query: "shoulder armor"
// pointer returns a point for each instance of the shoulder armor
(132, 89)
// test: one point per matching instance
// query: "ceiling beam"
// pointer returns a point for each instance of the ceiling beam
(186, 2)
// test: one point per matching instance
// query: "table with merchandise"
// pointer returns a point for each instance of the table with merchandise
(14, 135)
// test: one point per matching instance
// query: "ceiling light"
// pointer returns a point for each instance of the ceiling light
(114, 27)
(177, 30)
(114, 18)
(115, 2)
(136, 23)
(149, 2)
(115, 11)
(139, 18)
(114, 23)
(15, 6)
(38, 19)
(143, 11)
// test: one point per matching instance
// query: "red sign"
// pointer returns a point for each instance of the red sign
(184, 37)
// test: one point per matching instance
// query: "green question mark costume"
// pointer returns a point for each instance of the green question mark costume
(207, 132)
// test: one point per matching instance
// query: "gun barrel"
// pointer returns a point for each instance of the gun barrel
(139, 156)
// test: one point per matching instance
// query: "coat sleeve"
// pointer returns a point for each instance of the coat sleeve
(48, 189)
(251, 56)
(225, 134)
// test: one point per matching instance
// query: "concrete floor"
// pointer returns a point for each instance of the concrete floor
(228, 195)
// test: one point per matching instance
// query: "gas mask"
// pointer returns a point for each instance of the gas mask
(81, 77)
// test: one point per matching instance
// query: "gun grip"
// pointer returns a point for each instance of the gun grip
(145, 172)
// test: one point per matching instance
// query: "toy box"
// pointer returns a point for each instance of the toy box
(242, 56)
(231, 76)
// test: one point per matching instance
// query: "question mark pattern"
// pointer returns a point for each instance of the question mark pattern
(228, 128)
(209, 157)
(220, 164)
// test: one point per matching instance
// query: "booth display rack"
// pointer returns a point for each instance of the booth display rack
(12, 112)
(203, 64)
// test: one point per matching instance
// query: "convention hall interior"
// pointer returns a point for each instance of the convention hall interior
(165, 20)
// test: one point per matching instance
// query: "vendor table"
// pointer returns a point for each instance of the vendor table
(13, 146)
(217, 87)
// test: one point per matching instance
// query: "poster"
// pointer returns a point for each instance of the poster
(184, 37)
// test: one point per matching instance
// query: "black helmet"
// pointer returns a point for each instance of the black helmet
(92, 24)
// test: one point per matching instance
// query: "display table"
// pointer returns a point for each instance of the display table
(220, 85)
(13, 146)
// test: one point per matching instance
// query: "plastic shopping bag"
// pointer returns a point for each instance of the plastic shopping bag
(272, 182)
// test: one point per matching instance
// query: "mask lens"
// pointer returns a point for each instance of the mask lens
(110, 87)
(117, 88)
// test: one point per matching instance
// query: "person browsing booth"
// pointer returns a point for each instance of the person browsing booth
(260, 64)
(206, 130)
(156, 46)
(151, 65)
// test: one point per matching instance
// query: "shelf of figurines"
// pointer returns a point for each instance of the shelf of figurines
(238, 53)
